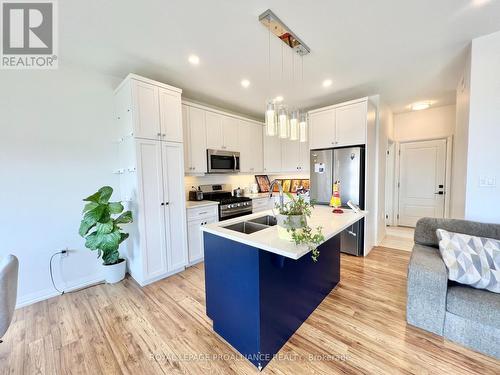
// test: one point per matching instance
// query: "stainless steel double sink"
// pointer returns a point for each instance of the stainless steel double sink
(254, 225)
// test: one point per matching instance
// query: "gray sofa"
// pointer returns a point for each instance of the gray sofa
(468, 316)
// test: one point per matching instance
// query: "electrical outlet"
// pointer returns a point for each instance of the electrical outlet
(487, 181)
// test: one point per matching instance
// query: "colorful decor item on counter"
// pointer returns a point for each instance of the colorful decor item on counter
(305, 184)
(335, 201)
(295, 185)
(276, 187)
(263, 182)
(286, 185)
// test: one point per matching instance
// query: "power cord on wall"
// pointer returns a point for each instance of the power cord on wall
(61, 292)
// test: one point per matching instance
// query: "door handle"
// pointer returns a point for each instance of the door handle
(439, 193)
(351, 233)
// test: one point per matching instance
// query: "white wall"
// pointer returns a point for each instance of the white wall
(55, 149)
(460, 145)
(385, 132)
(438, 122)
(483, 157)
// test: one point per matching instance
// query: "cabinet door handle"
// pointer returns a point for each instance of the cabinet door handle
(202, 213)
(162, 204)
(158, 134)
(164, 135)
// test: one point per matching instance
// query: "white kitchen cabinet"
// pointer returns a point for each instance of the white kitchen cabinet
(340, 125)
(230, 133)
(214, 130)
(222, 132)
(304, 157)
(290, 155)
(148, 109)
(151, 173)
(195, 154)
(158, 246)
(322, 129)
(350, 124)
(250, 147)
(195, 235)
(145, 107)
(272, 154)
(174, 198)
(170, 115)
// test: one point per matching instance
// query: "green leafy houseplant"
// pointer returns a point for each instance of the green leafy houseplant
(296, 212)
(101, 231)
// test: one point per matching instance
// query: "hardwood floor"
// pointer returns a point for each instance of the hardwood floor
(162, 329)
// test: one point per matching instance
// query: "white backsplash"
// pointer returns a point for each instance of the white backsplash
(235, 180)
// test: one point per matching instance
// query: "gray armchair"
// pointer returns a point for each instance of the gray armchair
(9, 268)
(460, 313)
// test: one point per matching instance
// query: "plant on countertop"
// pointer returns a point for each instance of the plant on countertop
(297, 210)
(101, 231)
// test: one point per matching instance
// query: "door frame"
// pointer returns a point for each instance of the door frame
(447, 173)
(390, 176)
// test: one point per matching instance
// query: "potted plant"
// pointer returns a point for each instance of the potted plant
(292, 224)
(103, 232)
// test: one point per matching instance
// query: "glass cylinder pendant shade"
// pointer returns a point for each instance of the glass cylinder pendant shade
(271, 124)
(283, 124)
(294, 126)
(303, 127)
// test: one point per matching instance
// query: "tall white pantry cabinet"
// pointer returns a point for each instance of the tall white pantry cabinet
(149, 116)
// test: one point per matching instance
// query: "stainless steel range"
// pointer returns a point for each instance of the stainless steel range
(229, 206)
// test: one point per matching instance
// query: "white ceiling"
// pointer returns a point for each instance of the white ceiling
(405, 50)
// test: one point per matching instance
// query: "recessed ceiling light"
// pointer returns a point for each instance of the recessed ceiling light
(245, 83)
(480, 3)
(194, 60)
(278, 99)
(420, 105)
(327, 83)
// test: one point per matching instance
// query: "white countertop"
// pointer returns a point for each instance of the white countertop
(267, 239)
(196, 204)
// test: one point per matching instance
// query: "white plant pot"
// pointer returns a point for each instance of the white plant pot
(115, 272)
(286, 222)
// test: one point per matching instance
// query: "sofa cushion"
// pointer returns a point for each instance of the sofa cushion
(425, 231)
(471, 260)
(474, 304)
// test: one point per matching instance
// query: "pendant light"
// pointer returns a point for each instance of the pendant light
(271, 123)
(283, 123)
(303, 127)
(294, 125)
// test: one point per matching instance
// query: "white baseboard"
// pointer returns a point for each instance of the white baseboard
(44, 294)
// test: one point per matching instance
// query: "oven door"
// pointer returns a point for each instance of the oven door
(223, 161)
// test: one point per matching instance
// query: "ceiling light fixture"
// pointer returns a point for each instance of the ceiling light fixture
(327, 83)
(279, 121)
(480, 3)
(420, 106)
(193, 59)
(245, 83)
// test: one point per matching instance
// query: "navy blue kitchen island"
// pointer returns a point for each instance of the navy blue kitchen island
(258, 298)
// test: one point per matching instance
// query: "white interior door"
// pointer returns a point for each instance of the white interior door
(422, 172)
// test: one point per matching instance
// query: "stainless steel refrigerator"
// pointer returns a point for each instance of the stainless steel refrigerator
(346, 165)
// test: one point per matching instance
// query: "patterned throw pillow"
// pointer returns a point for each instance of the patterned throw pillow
(471, 260)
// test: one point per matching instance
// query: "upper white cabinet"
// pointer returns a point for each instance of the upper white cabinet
(339, 125)
(250, 146)
(272, 154)
(148, 109)
(350, 124)
(222, 132)
(145, 109)
(322, 129)
(170, 115)
(195, 148)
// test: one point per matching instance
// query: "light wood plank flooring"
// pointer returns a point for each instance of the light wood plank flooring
(162, 329)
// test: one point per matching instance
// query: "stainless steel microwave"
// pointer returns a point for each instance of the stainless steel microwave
(223, 161)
